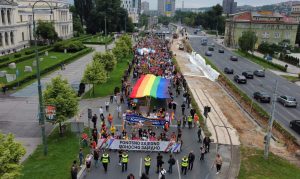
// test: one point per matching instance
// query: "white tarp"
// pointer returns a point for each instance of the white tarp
(155, 146)
(10, 77)
(208, 71)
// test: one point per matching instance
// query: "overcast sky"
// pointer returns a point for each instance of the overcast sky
(208, 3)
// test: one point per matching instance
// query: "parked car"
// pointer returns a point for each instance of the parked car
(295, 125)
(208, 53)
(259, 73)
(262, 97)
(211, 49)
(248, 74)
(287, 101)
(212, 45)
(181, 47)
(221, 50)
(228, 70)
(233, 58)
(240, 79)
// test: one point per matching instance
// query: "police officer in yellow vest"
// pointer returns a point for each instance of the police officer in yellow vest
(105, 159)
(147, 164)
(190, 121)
(184, 164)
(124, 161)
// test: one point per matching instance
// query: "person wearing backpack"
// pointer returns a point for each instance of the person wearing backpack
(171, 162)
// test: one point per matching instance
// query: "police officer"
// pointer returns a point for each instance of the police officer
(124, 161)
(190, 120)
(147, 164)
(184, 164)
(105, 159)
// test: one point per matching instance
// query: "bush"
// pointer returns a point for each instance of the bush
(17, 55)
(28, 52)
(71, 46)
(4, 59)
(289, 59)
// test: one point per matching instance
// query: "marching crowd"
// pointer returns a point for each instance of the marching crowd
(152, 55)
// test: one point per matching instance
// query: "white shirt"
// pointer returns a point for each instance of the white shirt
(101, 110)
(107, 103)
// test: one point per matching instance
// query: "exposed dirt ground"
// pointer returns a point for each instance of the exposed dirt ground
(250, 133)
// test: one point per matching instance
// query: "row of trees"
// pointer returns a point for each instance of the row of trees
(92, 15)
(98, 70)
(211, 19)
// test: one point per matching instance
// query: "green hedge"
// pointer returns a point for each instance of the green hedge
(255, 107)
(57, 65)
(70, 46)
(4, 59)
(289, 59)
(22, 58)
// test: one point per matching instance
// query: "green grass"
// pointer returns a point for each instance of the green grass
(291, 78)
(62, 151)
(254, 166)
(11, 56)
(113, 81)
(260, 61)
(45, 63)
(98, 39)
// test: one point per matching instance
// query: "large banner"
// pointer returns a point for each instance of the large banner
(154, 146)
(133, 118)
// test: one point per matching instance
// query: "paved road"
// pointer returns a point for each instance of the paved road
(282, 114)
(18, 114)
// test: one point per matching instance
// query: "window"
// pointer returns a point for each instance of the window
(12, 38)
(265, 35)
(287, 35)
(1, 40)
(23, 37)
(276, 35)
(21, 18)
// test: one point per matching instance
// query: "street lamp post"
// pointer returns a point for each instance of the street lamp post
(105, 33)
(41, 106)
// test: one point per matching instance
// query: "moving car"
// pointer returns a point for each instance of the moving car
(259, 73)
(295, 125)
(204, 41)
(233, 58)
(211, 49)
(248, 74)
(181, 47)
(221, 50)
(262, 97)
(240, 79)
(208, 53)
(228, 70)
(212, 45)
(287, 101)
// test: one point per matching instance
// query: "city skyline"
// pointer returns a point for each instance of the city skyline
(201, 3)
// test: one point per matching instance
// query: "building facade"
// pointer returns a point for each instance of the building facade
(166, 7)
(269, 27)
(229, 6)
(145, 7)
(133, 8)
(295, 12)
(16, 26)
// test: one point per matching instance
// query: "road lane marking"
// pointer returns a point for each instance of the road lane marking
(179, 174)
(141, 162)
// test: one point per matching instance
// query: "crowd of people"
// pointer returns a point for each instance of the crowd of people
(151, 55)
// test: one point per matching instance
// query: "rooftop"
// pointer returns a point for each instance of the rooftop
(8, 2)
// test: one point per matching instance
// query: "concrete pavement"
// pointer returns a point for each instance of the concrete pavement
(18, 114)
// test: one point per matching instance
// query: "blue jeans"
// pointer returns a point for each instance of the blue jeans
(170, 168)
(96, 163)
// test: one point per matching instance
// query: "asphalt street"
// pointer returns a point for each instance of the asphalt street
(282, 114)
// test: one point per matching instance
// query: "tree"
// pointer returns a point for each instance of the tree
(144, 20)
(94, 74)
(247, 41)
(10, 155)
(107, 59)
(61, 95)
(83, 9)
(46, 31)
(123, 47)
(77, 26)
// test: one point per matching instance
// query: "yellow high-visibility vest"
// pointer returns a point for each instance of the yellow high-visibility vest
(124, 158)
(147, 161)
(184, 162)
(105, 158)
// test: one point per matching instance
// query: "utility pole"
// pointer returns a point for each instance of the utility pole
(105, 32)
(269, 134)
(125, 23)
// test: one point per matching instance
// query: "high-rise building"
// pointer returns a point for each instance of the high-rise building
(133, 8)
(166, 7)
(145, 7)
(229, 6)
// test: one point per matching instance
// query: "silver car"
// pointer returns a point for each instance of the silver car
(287, 101)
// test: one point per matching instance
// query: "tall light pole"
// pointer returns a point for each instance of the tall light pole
(125, 22)
(105, 32)
(38, 75)
(269, 134)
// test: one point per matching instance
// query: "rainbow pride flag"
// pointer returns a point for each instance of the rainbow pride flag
(151, 85)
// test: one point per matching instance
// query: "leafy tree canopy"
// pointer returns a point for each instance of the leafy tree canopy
(46, 31)
(108, 60)
(247, 41)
